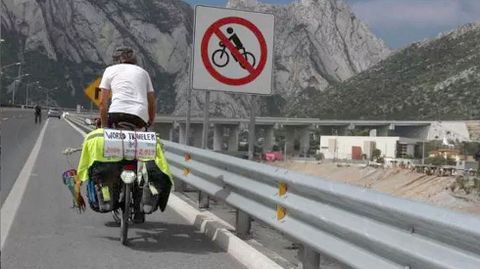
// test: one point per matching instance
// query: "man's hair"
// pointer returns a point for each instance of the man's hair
(124, 55)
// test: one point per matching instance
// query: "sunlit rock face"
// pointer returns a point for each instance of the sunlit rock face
(318, 42)
(69, 43)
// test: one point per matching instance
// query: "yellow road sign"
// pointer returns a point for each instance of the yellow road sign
(93, 92)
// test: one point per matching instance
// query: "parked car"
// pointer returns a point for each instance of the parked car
(53, 112)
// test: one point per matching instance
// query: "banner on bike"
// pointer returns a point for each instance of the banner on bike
(129, 144)
(233, 51)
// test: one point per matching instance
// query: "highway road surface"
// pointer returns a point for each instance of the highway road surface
(47, 234)
(18, 135)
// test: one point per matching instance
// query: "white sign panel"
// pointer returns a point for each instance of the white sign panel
(129, 145)
(233, 51)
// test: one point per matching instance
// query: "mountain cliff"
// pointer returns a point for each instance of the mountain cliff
(435, 79)
(318, 43)
(67, 44)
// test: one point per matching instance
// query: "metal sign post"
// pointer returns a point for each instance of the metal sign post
(203, 200)
(251, 128)
(205, 121)
(189, 116)
(232, 52)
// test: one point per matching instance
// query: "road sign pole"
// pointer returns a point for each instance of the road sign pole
(189, 116)
(203, 200)
(205, 120)
(251, 128)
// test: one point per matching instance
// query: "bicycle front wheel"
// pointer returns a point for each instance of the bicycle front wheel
(125, 214)
(220, 58)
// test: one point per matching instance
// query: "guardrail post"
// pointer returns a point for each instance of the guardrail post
(243, 223)
(309, 258)
(180, 186)
(203, 200)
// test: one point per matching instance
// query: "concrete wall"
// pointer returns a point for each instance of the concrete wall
(340, 147)
(454, 130)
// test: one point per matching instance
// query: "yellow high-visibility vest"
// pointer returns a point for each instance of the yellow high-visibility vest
(92, 150)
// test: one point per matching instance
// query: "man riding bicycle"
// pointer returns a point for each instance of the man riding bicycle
(131, 92)
(132, 99)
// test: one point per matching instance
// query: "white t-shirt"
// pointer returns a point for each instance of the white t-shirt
(129, 84)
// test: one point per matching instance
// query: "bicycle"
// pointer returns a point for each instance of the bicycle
(127, 208)
(221, 60)
(128, 191)
(128, 176)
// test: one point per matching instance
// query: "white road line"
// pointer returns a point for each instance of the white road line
(14, 198)
(76, 128)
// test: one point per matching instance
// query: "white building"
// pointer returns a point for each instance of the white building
(353, 147)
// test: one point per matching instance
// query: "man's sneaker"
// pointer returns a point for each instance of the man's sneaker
(139, 217)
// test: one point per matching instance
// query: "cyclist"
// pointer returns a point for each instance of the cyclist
(132, 98)
(235, 39)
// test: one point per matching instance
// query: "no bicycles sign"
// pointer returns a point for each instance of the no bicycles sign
(233, 51)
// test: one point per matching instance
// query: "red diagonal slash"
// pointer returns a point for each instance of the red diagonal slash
(235, 52)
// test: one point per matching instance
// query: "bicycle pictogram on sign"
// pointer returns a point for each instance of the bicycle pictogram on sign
(221, 58)
(232, 50)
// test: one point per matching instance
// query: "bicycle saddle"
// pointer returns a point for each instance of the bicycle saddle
(125, 125)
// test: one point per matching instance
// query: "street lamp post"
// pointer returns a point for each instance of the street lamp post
(16, 83)
(8, 65)
(48, 94)
(27, 88)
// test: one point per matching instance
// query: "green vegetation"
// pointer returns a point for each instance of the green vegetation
(435, 80)
(377, 156)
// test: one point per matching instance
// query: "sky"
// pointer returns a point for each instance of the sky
(401, 22)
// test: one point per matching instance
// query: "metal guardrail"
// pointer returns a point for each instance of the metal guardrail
(357, 226)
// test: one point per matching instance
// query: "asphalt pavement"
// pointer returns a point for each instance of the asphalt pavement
(18, 133)
(47, 233)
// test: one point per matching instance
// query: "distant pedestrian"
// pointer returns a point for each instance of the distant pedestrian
(38, 114)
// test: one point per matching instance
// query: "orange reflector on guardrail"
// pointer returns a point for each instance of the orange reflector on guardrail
(282, 189)
(281, 212)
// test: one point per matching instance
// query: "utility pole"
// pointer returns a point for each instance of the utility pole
(423, 152)
(27, 90)
(17, 81)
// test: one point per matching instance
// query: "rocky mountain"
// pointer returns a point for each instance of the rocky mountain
(436, 79)
(318, 43)
(67, 44)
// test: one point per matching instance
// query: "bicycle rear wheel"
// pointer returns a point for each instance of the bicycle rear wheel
(125, 214)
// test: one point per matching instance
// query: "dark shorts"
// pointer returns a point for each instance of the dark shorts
(115, 118)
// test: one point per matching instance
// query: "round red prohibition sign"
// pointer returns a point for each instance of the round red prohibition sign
(254, 72)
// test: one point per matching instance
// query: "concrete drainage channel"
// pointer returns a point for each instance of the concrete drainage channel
(262, 248)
